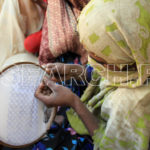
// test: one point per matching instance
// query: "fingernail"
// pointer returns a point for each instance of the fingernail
(47, 70)
(44, 66)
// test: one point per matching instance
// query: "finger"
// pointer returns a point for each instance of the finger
(60, 78)
(52, 70)
(44, 66)
(47, 100)
(50, 65)
(57, 68)
(67, 77)
(54, 79)
(49, 83)
(39, 95)
(40, 87)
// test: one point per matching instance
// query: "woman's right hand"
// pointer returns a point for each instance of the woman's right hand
(63, 72)
(57, 96)
(62, 96)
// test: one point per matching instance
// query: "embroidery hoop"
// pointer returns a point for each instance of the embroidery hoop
(53, 110)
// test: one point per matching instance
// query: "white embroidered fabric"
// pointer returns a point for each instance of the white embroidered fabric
(21, 114)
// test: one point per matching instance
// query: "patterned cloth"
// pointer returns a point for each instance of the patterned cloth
(118, 31)
(59, 32)
(17, 20)
(121, 34)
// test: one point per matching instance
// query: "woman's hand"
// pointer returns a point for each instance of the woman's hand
(63, 72)
(60, 96)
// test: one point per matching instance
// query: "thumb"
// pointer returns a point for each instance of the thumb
(52, 85)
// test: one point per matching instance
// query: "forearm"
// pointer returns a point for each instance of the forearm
(86, 116)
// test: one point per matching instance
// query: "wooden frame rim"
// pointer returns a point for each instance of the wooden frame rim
(53, 113)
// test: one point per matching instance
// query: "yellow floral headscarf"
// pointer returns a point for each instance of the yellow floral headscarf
(119, 32)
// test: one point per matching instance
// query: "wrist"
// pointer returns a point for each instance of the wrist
(76, 103)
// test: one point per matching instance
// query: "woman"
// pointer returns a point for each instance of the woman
(116, 34)
(18, 18)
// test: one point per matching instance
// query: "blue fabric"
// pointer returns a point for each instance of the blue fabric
(39, 146)
(89, 70)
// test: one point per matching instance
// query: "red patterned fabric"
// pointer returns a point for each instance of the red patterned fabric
(59, 32)
(45, 55)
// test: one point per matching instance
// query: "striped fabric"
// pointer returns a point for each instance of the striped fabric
(59, 31)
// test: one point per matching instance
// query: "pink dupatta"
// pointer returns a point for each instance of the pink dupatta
(59, 31)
